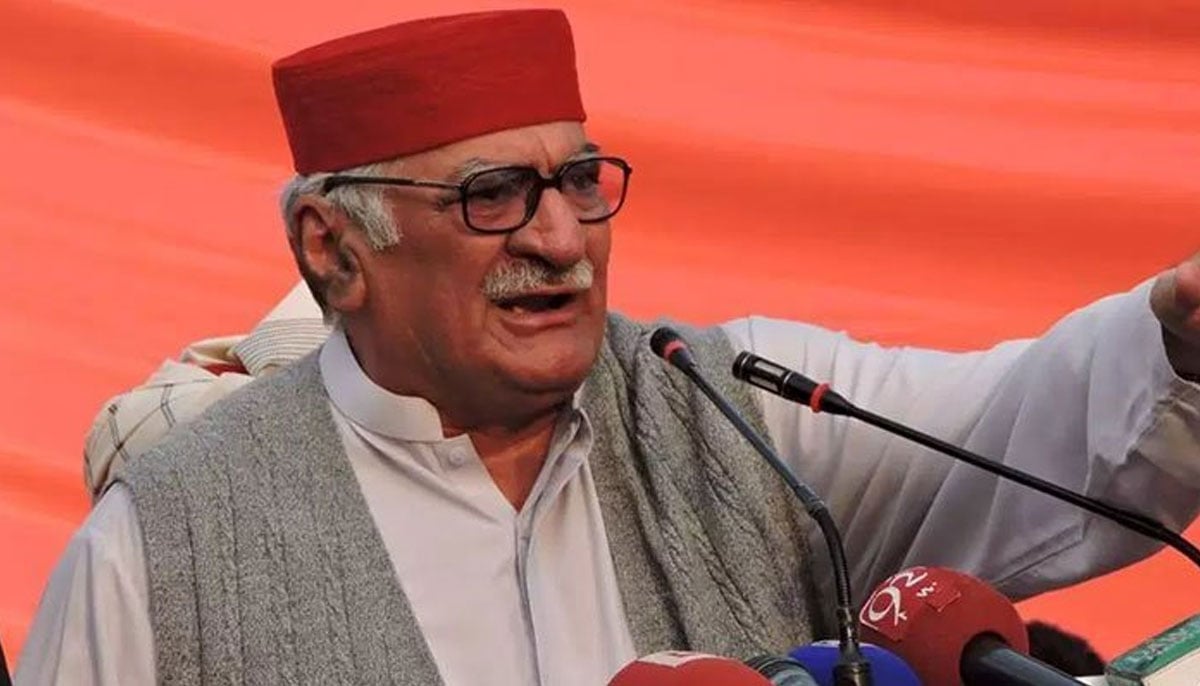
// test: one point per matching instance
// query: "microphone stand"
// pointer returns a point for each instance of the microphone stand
(819, 397)
(852, 668)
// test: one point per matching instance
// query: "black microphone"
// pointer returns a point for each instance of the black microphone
(988, 660)
(852, 669)
(819, 397)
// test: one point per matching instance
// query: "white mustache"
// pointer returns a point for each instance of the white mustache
(514, 279)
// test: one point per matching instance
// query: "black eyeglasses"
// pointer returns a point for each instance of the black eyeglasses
(503, 199)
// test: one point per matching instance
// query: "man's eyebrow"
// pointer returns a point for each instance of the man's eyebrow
(470, 166)
(477, 164)
(588, 148)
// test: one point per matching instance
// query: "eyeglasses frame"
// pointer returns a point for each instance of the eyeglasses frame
(534, 199)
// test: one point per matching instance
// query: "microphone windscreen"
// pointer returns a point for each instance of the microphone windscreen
(928, 615)
(680, 668)
(886, 667)
(662, 337)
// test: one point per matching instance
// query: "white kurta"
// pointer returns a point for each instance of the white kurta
(518, 599)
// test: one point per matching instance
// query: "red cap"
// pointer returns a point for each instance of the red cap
(680, 668)
(928, 615)
(419, 85)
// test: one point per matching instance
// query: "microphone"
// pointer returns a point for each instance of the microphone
(1171, 657)
(796, 387)
(783, 671)
(887, 667)
(954, 629)
(683, 668)
(852, 669)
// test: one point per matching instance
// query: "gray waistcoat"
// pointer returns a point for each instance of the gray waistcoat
(265, 567)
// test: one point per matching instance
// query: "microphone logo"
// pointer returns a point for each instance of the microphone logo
(886, 602)
(675, 658)
(903, 597)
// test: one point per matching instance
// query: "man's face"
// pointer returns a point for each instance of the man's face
(444, 302)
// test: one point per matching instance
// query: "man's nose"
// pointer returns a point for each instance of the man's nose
(554, 234)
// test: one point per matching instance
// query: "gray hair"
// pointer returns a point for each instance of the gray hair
(363, 204)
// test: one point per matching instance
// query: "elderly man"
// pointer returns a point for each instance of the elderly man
(482, 476)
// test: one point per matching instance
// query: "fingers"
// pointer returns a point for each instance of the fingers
(1187, 294)
(1175, 299)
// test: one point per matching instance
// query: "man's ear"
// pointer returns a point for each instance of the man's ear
(327, 252)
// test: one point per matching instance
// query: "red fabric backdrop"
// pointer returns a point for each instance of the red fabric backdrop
(946, 174)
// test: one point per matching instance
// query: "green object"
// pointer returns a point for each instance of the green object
(1163, 660)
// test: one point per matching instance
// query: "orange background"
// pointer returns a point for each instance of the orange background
(945, 174)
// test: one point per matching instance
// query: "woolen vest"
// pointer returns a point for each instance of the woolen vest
(265, 567)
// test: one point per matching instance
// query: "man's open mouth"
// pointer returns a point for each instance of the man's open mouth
(536, 302)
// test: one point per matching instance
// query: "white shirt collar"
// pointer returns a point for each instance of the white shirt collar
(404, 417)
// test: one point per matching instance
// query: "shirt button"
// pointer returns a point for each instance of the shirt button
(458, 457)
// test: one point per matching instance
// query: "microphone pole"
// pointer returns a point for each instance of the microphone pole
(819, 397)
(852, 669)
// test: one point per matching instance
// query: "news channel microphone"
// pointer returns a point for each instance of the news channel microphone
(952, 628)
(1171, 658)
(685, 668)
(887, 668)
(852, 669)
(819, 397)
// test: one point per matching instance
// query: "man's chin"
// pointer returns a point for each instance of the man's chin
(562, 379)
(556, 360)
(550, 369)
